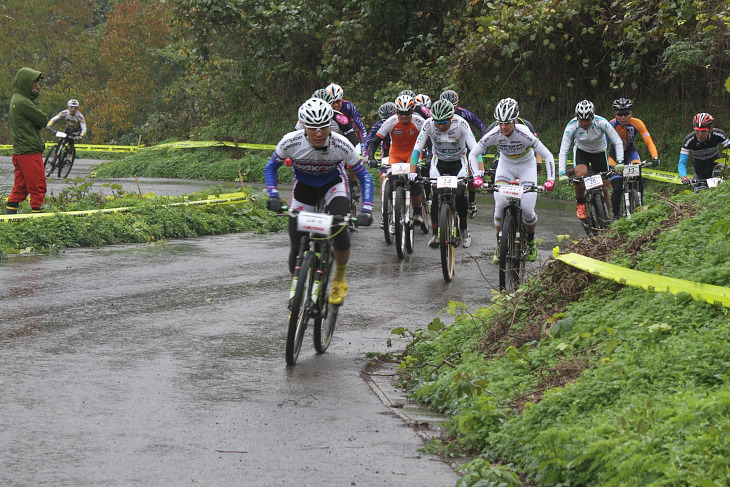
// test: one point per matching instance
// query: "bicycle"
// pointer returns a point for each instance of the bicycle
(311, 284)
(402, 211)
(513, 248)
(704, 184)
(596, 208)
(449, 232)
(632, 188)
(354, 202)
(61, 156)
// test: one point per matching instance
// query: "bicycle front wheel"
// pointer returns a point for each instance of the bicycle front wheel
(324, 324)
(51, 160)
(400, 227)
(510, 260)
(387, 212)
(68, 162)
(447, 241)
(600, 212)
(300, 309)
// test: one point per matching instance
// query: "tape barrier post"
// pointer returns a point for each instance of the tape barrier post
(650, 282)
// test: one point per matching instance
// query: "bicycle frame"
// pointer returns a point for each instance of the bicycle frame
(596, 206)
(449, 233)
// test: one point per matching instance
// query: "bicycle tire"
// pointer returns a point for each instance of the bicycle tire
(509, 266)
(51, 159)
(600, 212)
(634, 200)
(387, 212)
(300, 310)
(64, 170)
(328, 316)
(409, 225)
(424, 226)
(354, 199)
(398, 217)
(447, 242)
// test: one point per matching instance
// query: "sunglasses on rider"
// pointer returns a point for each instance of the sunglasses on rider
(622, 114)
(441, 122)
(405, 114)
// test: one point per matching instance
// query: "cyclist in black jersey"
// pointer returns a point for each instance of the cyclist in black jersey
(703, 144)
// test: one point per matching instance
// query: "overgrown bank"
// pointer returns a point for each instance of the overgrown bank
(575, 380)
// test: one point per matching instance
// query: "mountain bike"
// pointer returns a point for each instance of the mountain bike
(402, 211)
(513, 248)
(386, 206)
(354, 202)
(311, 284)
(704, 184)
(449, 232)
(596, 208)
(61, 156)
(632, 188)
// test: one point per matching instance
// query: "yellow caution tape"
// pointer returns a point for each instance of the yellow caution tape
(667, 177)
(650, 282)
(223, 199)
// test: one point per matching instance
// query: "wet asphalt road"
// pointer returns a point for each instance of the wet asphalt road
(164, 364)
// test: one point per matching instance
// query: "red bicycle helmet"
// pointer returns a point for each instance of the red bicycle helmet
(702, 121)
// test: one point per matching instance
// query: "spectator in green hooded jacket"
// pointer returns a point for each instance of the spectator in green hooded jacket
(26, 122)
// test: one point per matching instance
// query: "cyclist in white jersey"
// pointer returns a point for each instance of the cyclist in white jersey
(75, 121)
(450, 135)
(517, 146)
(589, 132)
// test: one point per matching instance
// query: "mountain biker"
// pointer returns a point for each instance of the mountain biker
(316, 157)
(75, 121)
(385, 111)
(517, 147)
(423, 105)
(403, 129)
(703, 144)
(450, 136)
(349, 110)
(627, 128)
(473, 120)
(495, 161)
(26, 121)
(588, 131)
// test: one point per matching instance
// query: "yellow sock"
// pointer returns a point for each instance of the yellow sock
(340, 271)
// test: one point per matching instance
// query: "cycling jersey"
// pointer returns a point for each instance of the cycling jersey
(449, 145)
(703, 153)
(75, 124)
(349, 110)
(592, 140)
(628, 135)
(423, 111)
(402, 138)
(517, 148)
(472, 119)
(374, 130)
(318, 167)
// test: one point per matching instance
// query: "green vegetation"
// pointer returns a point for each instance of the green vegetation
(575, 380)
(152, 219)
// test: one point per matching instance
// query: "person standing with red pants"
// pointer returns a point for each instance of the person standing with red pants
(26, 122)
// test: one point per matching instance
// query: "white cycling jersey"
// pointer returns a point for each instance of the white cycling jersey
(450, 144)
(75, 123)
(592, 140)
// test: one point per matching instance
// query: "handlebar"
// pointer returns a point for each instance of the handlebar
(579, 179)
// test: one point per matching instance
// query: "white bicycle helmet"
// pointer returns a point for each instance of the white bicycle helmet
(422, 99)
(442, 110)
(407, 92)
(73, 103)
(323, 95)
(404, 103)
(623, 104)
(507, 110)
(336, 91)
(584, 110)
(316, 113)
(386, 110)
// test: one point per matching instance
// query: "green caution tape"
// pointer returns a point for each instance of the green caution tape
(650, 282)
(223, 199)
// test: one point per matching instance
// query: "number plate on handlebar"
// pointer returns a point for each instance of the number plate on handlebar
(511, 190)
(314, 222)
(712, 182)
(447, 182)
(593, 181)
(631, 170)
(61, 135)
(400, 168)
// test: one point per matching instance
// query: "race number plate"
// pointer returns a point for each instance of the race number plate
(314, 222)
(447, 182)
(631, 170)
(400, 168)
(712, 182)
(593, 181)
(512, 191)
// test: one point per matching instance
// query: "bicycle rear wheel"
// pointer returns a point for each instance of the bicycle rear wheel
(510, 258)
(387, 212)
(68, 159)
(324, 325)
(398, 217)
(300, 309)
(447, 242)
(51, 160)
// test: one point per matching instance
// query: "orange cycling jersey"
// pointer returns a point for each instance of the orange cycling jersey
(628, 134)
(402, 137)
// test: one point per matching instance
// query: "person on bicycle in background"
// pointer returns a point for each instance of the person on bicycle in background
(385, 111)
(517, 146)
(317, 157)
(627, 128)
(474, 121)
(403, 129)
(349, 110)
(703, 144)
(423, 105)
(495, 161)
(589, 132)
(451, 136)
(75, 121)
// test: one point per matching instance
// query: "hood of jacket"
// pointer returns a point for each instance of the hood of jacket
(24, 80)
